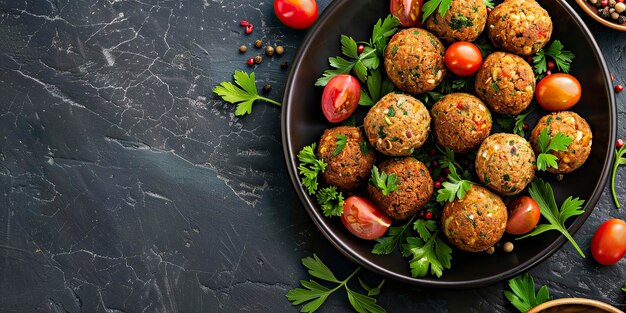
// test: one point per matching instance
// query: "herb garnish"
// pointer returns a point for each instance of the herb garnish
(395, 236)
(514, 124)
(489, 4)
(562, 58)
(310, 166)
(244, 95)
(331, 201)
(523, 296)
(455, 187)
(315, 293)
(559, 142)
(619, 160)
(431, 5)
(386, 183)
(542, 192)
(376, 88)
(369, 59)
(342, 140)
(428, 250)
(624, 288)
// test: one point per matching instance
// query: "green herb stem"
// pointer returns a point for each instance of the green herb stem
(269, 100)
(615, 166)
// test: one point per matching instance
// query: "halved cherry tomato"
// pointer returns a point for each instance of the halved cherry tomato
(409, 12)
(363, 219)
(609, 242)
(298, 14)
(341, 97)
(558, 92)
(524, 214)
(463, 58)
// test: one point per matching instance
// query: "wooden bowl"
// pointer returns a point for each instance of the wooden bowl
(574, 305)
(592, 11)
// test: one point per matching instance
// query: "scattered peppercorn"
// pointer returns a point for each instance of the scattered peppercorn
(441, 179)
(619, 143)
(507, 247)
(434, 163)
(244, 23)
(446, 170)
(491, 250)
(258, 43)
(437, 185)
(429, 215)
(269, 51)
(258, 59)
(360, 49)
(284, 65)
(267, 88)
(250, 62)
(559, 177)
(421, 213)
(525, 127)
(612, 77)
(489, 10)
(551, 65)
(619, 88)
(243, 49)
(249, 29)
(621, 19)
(548, 72)
(280, 50)
(604, 13)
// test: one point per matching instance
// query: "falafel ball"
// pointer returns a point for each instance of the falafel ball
(464, 21)
(476, 222)
(569, 124)
(348, 167)
(415, 187)
(414, 60)
(505, 163)
(506, 82)
(397, 125)
(519, 26)
(460, 122)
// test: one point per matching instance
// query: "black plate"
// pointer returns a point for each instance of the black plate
(303, 123)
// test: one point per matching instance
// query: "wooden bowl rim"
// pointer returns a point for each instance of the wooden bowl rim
(595, 16)
(583, 301)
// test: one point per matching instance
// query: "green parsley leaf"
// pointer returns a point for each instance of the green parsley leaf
(515, 124)
(489, 4)
(364, 149)
(393, 238)
(342, 140)
(455, 187)
(331, 201)
(376, 88)
(562, 59)
(372, 291)
(542, 193)
(314, 294)
(244, 93)
(619, 160)
(559, 142)
(431, 5)
(523, 296)
(310, 167)
(624, 288)
(386, 183)
(432, 253)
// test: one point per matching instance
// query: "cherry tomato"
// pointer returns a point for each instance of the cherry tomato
(609, 242)
(409, 12)
(558, 92)
(524, 215)
(341, 97)
(463, 58)
(363, 219)
(298, 14)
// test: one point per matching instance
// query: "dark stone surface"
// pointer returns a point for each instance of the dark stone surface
(126, 186)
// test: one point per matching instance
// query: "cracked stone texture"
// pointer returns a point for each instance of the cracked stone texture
(127, 186)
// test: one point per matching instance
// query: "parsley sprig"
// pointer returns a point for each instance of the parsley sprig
(331, 201)
(314, 293)
(542, 192)
(559, 142)
(342, 140)
(619, 160)
(428, 250)
(369, 59)
(386, 183)
(431, 5)
(455, 187)
(562, 59)
(244, 93)
(310, 167)
(393, 239)
(490, 4)
(523, 295)
(515, 124)
(376, 88)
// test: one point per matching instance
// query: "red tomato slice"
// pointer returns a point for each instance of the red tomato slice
(608, 244)
(409, 12)
(463, 58)
(341, 97)
(524, 214)
(363, 219)
(298, 14)
(558, 92)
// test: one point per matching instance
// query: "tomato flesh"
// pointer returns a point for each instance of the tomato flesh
(608, 244)
(341, 97)
(524, 214)
(409, 12)
(463, 58)
(363, 219)
(298, 14)
(558, 92)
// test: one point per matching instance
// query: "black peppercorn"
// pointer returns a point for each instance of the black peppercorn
(604, 13)
(267, 88)
(243, 49)
(284, 65)
(280, 50)
(269, 51)
(621, 19)
(258, 59)
(258, 43)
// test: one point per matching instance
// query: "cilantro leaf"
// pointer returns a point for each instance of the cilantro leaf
(431, 6)
(310, 167)
(523, 296)
(386, 183)
(244, 93)
(559, 142)
(393, 238)
(619, 160)
(331, 201)
(562, 59)
(314, 293)
(342, 140)
(455, 187)
(542, 192)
